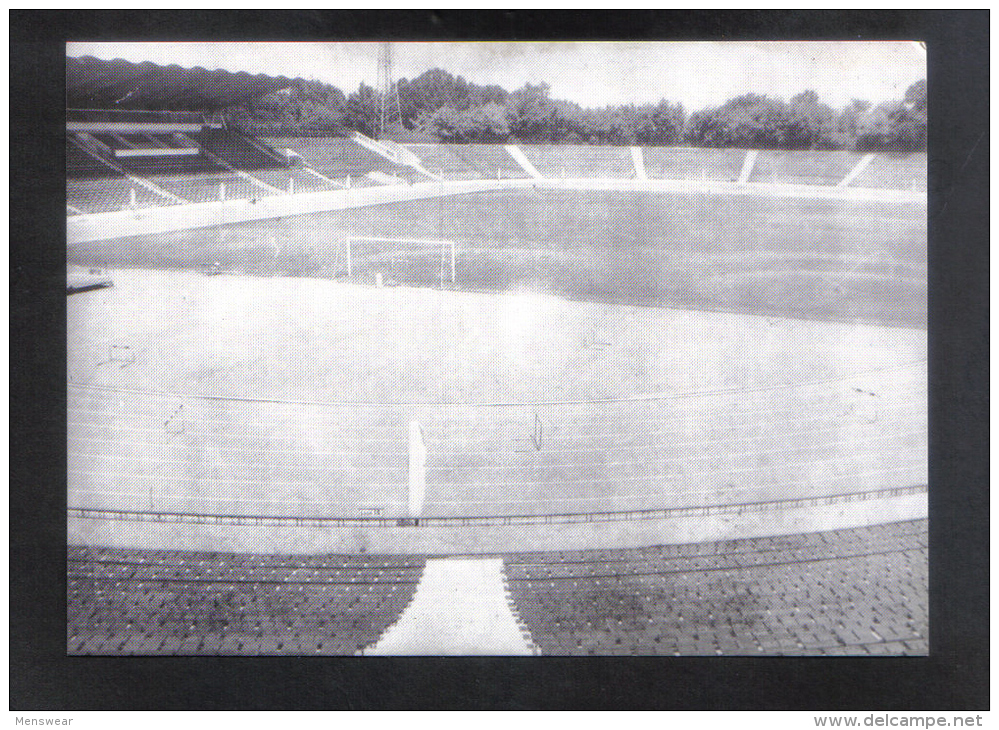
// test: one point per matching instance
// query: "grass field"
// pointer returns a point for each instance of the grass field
(810, 259)
(187, 395)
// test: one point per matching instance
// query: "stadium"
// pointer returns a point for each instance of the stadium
(356, 396)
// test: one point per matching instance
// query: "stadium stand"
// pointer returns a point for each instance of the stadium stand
(340, 158)
(489, 160)
(202, 188)
(442, 160)
(171, 158)
(685, 163)
(297, 180)
(580, 161)
(191, 155)
(192, 166)
(142, 602)
(150, 143)
(781, 167)
(136, 153)
(238, 150)
(850, 591)
(906, 172)
(81, 163)
(855, 591)
(156, 166)
(109, 194)
(820, 168)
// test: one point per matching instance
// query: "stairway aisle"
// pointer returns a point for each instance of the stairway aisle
(461, 607)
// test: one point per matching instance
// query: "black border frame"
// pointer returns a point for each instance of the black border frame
(955, 675)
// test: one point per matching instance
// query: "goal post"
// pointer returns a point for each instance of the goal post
(448, 249)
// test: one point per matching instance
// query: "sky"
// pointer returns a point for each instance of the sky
(697, 74)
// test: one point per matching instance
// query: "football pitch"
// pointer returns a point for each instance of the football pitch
(811, 259)
(596, 352)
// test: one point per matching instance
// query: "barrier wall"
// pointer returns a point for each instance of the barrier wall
(102, 226)
(491, 536)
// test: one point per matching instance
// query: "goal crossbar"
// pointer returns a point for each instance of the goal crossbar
(400, 240)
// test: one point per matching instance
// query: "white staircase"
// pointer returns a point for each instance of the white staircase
(393, 152)
(461, 608)
(85, 141)
(638, 159)
(857, 169)
(747, 166)
(521, 159)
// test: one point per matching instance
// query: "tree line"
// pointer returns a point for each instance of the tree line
(440, 107)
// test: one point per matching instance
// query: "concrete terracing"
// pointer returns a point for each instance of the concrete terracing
(807, 174)
(140, 602)
(100, 226)
(855, 591)
(463, 536)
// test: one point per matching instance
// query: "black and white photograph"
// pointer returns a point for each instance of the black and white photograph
(496, 348)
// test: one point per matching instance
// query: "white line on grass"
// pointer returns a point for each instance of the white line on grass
(119, 476)
(849, 419)
(672, 458)
(595, 401)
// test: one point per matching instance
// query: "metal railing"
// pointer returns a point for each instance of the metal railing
(491, 521)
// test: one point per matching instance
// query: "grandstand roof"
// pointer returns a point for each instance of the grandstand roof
(120, 84)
